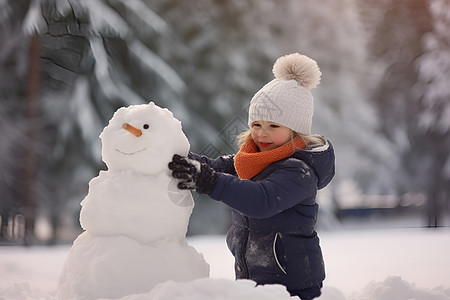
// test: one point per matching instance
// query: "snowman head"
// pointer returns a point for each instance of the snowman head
(142, 138)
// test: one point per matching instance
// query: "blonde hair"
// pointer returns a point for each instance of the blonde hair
(311, 140)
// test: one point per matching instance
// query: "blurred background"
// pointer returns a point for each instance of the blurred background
(384, 99)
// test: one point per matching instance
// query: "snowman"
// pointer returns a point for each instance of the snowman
(134, 217)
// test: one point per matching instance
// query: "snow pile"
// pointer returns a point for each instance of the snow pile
(394, 288)
(23, 291)
(214, 289)
(135, 219)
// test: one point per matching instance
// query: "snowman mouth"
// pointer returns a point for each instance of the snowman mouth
(130, 153)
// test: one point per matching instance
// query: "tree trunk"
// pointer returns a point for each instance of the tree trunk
(436, 207)
(29, 205)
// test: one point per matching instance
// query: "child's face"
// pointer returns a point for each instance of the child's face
(269, 135)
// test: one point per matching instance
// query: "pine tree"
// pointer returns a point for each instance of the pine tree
(433, 119)
(14, 54)
(412, 98)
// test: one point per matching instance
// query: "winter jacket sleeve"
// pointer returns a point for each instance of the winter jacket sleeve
(291, 183)
(223, 164)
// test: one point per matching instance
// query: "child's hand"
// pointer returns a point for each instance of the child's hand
(193, 175)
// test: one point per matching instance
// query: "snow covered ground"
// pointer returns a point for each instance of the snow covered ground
(387, 264)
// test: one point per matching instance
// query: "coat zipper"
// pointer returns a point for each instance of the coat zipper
(275, 253)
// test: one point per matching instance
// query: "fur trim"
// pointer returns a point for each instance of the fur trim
(298, 67)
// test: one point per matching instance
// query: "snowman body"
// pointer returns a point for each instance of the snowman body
(134, 216)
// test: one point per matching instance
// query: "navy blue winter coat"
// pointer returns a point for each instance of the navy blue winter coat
(272, 236)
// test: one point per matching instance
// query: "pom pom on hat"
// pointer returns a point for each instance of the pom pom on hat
(287, 99)
(298, 67)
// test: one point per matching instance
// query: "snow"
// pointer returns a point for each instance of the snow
(102, 66)
(34, 22)
(104, 19)
(146, 15)
(387, 264)
(417, 255)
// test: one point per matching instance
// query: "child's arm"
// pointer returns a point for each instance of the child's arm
(292, 184)
(224, 164)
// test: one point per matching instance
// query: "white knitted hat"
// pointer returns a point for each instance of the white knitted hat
(287, 100)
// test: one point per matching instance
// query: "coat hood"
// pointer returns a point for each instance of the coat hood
(321, 160)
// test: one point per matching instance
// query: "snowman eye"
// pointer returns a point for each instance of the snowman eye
(146, 126)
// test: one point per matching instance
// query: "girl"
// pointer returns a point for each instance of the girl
(272, 182)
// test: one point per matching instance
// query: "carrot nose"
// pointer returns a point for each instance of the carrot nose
(132, 129)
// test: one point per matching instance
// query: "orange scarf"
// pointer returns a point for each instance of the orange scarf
(249, 161)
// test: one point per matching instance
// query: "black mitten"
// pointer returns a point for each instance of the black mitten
(193, 175)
